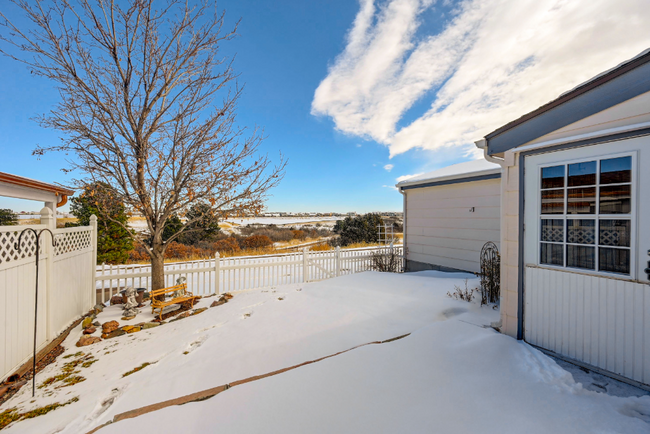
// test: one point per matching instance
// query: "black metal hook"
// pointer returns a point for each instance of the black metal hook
(38, 248)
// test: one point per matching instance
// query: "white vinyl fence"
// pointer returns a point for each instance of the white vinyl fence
(66, 286)
(221, 275)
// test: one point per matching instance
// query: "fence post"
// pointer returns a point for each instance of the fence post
(217, 264)
(47, 219)
(305, 265)
(93, 263)
(337, 257)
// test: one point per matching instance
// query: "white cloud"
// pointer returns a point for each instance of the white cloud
(405, 177)
(388, 167)
(494, 61)
(359, 145)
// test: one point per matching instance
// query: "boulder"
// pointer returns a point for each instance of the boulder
(198, 311)
(127, 318)
(98, 308)
(149, 325)
(88, 340)
(97, 324)
(110, 326)
(114, 334)
(90, 330)
(87, 322)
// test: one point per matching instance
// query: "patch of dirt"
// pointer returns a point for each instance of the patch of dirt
(12, 387)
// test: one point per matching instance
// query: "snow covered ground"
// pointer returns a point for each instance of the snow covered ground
(297, 221)
(452, 374)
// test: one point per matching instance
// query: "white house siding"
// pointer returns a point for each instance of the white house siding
(631, 112)
(441, 232)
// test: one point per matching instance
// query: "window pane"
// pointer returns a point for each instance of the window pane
(581, 231)
(553, 177)
(581, 201)
(580, 257)
(582, 174)
(615, 233)
(551, 254)
(553, 230)
(553, 202)
(616, 170)
(614, 260)
(615, 199)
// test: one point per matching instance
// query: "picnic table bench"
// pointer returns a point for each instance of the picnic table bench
(183, 296)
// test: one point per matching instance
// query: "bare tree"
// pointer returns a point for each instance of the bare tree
(139, 82)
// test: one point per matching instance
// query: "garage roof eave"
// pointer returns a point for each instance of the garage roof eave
(452, 179)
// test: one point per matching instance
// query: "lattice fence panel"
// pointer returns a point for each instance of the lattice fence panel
(27, 246)
(72, 242)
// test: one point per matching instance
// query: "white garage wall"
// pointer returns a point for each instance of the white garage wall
(440, 229)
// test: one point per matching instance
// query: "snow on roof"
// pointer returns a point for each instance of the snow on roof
(456, 171)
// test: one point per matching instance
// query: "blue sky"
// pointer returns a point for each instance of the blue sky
(344, 88)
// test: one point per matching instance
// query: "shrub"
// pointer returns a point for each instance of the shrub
(8, 218)
(466, 294)
(256, 242)
(320, 247)
(228, 245)
(298, 234)
(359, 229)
(182, 251)
(386, 260)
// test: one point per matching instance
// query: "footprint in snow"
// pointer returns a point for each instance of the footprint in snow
(247, 315)
(194, 345)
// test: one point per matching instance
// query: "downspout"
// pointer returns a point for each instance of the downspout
(483, 144)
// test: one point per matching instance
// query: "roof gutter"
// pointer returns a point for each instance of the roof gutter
(483, 145)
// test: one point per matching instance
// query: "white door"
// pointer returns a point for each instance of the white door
(587, 235)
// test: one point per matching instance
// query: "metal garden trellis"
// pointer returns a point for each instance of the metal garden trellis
(17, 246)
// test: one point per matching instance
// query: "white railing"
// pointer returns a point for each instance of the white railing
(221, 275)
(65, 286)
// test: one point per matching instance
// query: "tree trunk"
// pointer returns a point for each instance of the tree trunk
(157, 264)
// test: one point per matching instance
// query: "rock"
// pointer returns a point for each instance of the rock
(127, 318)
(149, 325)
(110, 326)
(198, 311)
(87, 322)
(228, 295)
(181, 316)
(219, 302)
(98, 308)
(90, 330)
(88, 340)
(114, 334)
(97, 324)
(117, 299)
(170, 308)
(131, 329)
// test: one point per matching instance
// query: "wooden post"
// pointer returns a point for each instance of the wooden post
(216, 273)
(305, 265)
(93, 263)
